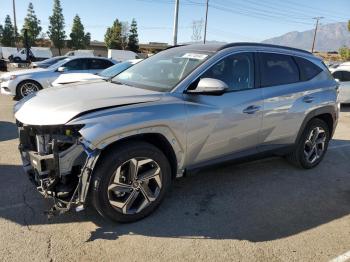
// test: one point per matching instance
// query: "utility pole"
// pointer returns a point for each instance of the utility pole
(14, 20)
(176, 21)
(316, 27)
(206, 22)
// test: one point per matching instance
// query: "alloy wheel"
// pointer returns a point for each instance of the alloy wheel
(314, 146)
(28, 88)
(135, 185)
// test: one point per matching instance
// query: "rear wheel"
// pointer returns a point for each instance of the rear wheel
(26, 88)
(312, 145)
(130, 182)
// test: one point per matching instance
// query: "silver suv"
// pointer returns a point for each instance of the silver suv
(118, 144)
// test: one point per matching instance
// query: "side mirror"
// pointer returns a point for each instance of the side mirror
(61, 69)
(209, 86)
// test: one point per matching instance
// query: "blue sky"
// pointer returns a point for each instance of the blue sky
(228, 20)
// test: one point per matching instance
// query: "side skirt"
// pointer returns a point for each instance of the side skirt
(241, 157)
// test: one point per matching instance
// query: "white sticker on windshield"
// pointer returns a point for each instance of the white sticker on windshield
(195, 56)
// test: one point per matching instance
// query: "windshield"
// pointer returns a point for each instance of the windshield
(53, 60)
(115, 70)
(59, 63)
(163, 71)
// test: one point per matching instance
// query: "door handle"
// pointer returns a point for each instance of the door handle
(308, 99)
(251, 109)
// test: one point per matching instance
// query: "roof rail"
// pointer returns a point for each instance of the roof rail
(263, 45)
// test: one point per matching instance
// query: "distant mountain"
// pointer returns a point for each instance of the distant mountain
(330, 37)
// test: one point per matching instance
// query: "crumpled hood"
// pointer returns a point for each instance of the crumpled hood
(58, 105)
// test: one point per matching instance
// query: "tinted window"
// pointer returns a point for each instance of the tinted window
(277, 69)
(343, 76)
(308, 70)
(77, 64)
(237, 71)
(100, 64)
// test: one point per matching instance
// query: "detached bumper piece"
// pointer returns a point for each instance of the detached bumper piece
(59, 165)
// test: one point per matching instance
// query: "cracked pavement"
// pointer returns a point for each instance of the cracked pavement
(257, 211)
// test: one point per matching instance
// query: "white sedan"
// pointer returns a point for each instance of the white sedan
(25, 82)
(105, 74)
(342, 75)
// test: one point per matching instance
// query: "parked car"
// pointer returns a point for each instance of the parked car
(6, 52)
(35, 54)
(79, 52)
(47, 62)
(339, 66)
(105, 74)
(25, 82)
(3, 65)
(120, 143)
(342, 74)
(122, 55)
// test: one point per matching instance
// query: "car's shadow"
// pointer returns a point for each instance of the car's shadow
(8, 131)
(257, 201)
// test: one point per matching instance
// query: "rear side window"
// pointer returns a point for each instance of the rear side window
(277, 69)
(343, 76)
(308, 70)
(100, 64)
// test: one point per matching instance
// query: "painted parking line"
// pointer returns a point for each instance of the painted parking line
(342, 258)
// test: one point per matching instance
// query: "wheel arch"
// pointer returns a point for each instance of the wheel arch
(156, 139)
(328, 114)
(27, 80)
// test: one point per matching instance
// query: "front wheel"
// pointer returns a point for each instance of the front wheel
(312, 145)
(17, 59)
(130, 182)
(26, 88)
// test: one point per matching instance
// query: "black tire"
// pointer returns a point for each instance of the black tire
(17, 59)
(105, 171)
(297, 156)
(19, 91)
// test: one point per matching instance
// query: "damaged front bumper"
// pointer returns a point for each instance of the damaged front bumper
(59, 163)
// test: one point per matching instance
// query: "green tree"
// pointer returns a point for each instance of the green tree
(349, 25)
(79, 40)
(32, 24)
(8, 33)
(56, 28)
(344, 53)
(133, 41)
(113, 36)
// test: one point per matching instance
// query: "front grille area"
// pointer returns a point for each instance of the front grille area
(53, 158)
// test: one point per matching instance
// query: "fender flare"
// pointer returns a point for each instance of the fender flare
(329, 109)
(166, 132)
